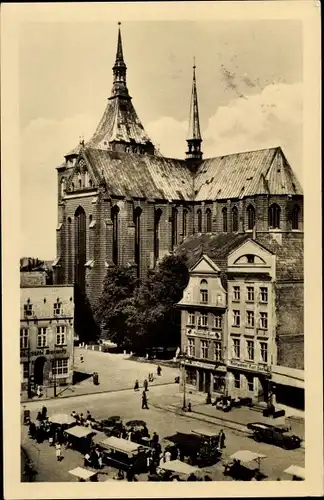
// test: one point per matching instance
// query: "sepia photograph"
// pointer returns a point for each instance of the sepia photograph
(161, 171)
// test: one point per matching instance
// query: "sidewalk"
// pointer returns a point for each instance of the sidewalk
(236, 419)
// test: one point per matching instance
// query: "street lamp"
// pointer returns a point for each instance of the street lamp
(183, 365)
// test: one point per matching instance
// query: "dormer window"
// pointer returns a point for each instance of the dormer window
(204, 292)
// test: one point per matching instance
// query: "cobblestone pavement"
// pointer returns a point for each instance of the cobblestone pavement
(127, 404)
(116, 372)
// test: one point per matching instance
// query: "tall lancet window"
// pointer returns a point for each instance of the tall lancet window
(157, 222)
(224, 215)
(208, 220)
(234, 219)
(199, 221)
(174, 228)
(251, 216)
(69, 250)
(114, 218)
(295, 217)
(274, 216)
(137, 242)
(80, 241)
(185, 223)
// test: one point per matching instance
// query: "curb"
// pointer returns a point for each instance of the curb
(104, 391)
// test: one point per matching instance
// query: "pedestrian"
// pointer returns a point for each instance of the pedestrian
(159, 370)
(189, 406)
(192, 477)
(87, 460)
(145, 431)
(208, 399)
(39, 391)
(155, 439)
(167, 455)
(44, 412)
(81, 358)
(100, 462)
(58, 452)
(145, 385)
(144, 401)
(136, 386)
(161, 462)
(221, 439)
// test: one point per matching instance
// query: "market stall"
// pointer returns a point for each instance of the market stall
(84, 474)
(297, 472)
(80, 437)
(237, 471)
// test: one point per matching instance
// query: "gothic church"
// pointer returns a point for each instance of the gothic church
(121, 202)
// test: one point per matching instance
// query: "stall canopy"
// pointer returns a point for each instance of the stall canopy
(179, 467)
(82, 473)
(205, 432)
(246, 456)
(79, 431)
(295, 470)
(120, 444)
(62, 419)
(99, 437)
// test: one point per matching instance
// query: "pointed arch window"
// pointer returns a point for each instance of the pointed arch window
(204, 291)
(115, 221)
(208, 220)
(63, 186)
(137, 242)
(234, 219)
(69, 250)
(224, 215)
(157, 220)
(80, 241)
(174, 228)
(251, 216)
(185, 223)
(295, 217)
(199, 221)
(274, 216)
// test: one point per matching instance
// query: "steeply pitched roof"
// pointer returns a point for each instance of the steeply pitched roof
(142, 176)
(264, 171)
(119, 123)
(289, 254)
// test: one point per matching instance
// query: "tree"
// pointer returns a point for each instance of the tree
(85, 325)
(152, 318)
(114, 303)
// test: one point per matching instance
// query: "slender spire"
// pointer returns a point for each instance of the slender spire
(194, 137)
(119, 70)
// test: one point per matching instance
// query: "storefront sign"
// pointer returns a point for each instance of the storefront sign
(208, 366)
(254, 367)
(41, 352)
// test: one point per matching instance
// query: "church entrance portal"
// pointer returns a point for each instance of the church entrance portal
(39, 370)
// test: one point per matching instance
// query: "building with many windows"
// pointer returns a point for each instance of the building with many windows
(46, 335)
(260, 280)
(121, 202)
(204, 327)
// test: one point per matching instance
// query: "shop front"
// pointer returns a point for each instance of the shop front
(45, 367)
(246, 379)
(206, 377)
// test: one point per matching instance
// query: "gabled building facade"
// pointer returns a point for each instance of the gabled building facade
(204, 327)
(121, 202)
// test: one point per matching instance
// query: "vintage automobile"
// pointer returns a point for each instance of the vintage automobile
(201, 447)
(274, 435)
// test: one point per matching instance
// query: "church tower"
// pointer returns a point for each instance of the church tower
(120, 129)
(194, 153)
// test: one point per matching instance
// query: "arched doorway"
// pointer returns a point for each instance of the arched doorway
(39, 370)
(80, 247)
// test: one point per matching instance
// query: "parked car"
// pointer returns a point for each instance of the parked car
(276, 435)
(199, 448)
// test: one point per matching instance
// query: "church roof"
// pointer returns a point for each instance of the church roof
(142, 176)
(265, 171)
(119, 123)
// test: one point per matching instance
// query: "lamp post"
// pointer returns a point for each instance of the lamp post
(54, 370)
(183, 365)
(29, 392)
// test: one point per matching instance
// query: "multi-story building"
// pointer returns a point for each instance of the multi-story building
(46, 335)
(263, 337)
(121, 202)
(251, 320)
(204, 327)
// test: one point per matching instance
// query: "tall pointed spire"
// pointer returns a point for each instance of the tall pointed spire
(119, 70)
(194, 137)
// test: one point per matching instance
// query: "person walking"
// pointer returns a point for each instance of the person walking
(221, 439)
(159, 370)
(136, 386)
(58, 452)
(145, 385)
(167, 455)
(81, 358)
(144, 401)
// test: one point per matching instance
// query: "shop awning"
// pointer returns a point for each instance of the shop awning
(288, 376)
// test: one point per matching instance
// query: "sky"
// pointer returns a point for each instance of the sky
(250, 87)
